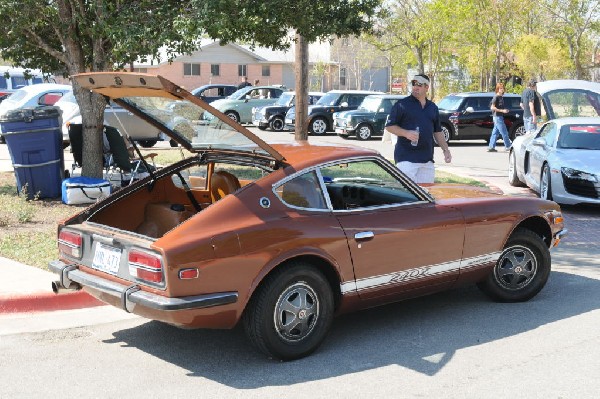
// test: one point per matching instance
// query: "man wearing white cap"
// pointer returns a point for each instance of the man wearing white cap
(415, 120)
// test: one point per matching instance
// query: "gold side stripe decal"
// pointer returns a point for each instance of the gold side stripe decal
(409, 275)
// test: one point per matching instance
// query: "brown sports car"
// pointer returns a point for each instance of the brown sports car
(284, 237)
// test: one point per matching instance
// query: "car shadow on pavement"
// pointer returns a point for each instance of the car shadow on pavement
(421, 334)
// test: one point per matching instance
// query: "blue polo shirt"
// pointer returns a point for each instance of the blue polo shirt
(408, 114)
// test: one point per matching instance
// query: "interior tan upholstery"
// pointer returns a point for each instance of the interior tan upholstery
(221, 184)
(162, 217)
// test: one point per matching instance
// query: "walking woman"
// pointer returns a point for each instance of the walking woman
(498, 112)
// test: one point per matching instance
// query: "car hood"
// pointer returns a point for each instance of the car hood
(456, 190)
(356, 113)
(177, 113)
(584, 160)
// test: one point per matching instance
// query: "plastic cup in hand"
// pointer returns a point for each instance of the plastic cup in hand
(414, 143)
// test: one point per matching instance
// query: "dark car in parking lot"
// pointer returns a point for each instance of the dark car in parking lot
(320, 115)
(467, 116)
(368, 120)
(212, 92)
(272, 116)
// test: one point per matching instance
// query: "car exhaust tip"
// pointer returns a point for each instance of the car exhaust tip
(58, 287)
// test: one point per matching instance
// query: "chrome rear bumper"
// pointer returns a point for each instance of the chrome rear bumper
(131, 295)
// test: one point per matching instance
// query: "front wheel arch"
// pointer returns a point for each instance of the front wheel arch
(271, 323)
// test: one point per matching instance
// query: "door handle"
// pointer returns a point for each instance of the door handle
(364, 235)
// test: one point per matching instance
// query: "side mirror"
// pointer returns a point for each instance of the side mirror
(247, 98)
(538, 142)
(469, 110)
(344, 104)
(381, 110)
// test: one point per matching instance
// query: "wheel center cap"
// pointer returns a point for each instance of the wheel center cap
(302, 314)
(518, 269)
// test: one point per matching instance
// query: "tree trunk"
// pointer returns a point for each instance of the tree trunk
(301, 125)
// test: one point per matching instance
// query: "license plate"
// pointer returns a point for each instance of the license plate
(289, 121)
(107, 258)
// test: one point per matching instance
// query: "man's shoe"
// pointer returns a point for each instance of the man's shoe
(492, 150)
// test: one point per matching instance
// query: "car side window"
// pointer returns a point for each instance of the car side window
(355, 100)
(275, 93)
(548, 133)
(364, 184)
(303, 191)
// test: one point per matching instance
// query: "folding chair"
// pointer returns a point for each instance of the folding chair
(76, 139)
(118, 160)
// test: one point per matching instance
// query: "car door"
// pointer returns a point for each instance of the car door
(398, 239)
(476, 118)
(539, 148)
(381, 115)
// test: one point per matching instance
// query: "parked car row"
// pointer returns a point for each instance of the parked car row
(273, 116)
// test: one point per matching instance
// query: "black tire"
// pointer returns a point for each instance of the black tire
(318, 126)
(516, 131)
(233, 115)
(364, 132)
(172, 143)
(447, 134)
(295, 292)
(522, 269)
(261, 127)
(277, 124)
(546, 183)
(513, 178)
(147, 143)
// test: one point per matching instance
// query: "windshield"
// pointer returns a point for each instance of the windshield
(329, 99)
(16, 97)
(239, 94)
(193, 123)
(285, 99)
(584, 137)
(450, 103)
(371, 104)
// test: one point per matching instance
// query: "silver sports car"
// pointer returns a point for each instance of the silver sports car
(561, 161)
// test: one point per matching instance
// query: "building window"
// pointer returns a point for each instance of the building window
(214, 69)
(266, 70)
(191, 69)
(242, 70)
(342, 76)
(140, 70)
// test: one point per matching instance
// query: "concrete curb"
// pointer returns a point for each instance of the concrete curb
(28, 289)
(44, 302)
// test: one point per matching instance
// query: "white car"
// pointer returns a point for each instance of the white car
(561, 160)
(33, 96)
(114, 115)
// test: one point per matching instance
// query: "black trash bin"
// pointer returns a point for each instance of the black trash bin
(34, 140)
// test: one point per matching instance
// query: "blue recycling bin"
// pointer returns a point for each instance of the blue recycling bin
(34, 140)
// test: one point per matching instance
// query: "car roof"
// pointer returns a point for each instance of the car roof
(42, 87)
(549, 85)
(481, 94)
(303, 154)
(355, 91)
(390, 96)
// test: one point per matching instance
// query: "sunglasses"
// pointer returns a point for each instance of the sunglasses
(415, 83)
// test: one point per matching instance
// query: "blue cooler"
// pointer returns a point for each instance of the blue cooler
(34, 140)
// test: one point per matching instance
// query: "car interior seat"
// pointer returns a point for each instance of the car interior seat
(222, 183)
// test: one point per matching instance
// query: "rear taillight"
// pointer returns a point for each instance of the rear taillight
(145, 266)
(69, 243)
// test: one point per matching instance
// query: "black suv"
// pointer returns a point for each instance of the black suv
(320, 115)
(272, 116)
(466, 116)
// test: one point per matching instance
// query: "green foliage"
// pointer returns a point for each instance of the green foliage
(268, 23)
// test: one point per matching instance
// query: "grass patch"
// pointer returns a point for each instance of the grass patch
(445, 177)
(28, 227)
